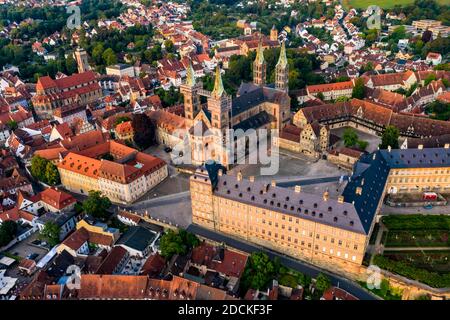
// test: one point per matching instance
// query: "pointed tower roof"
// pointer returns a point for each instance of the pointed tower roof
(282, 60)
(260, 52)
(218, 85)
(190, 77)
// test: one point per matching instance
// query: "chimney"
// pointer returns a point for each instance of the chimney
(326, 195)
(420, 146)
(274, 183)
(389, 148)
(220, 173)
(298, 189)
(341, 199)
(239, 176)
(359, 191)
(447, 146)
(252, 178)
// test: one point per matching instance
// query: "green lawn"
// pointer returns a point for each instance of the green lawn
(385, 4)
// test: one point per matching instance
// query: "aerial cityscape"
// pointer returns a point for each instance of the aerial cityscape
(228, 150)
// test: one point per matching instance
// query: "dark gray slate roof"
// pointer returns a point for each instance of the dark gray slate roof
(371, 172)
(254, 122)
(250, 95)
(299, 205)
(137, 238)
(358, 210)
(416, 158)
(59, 218)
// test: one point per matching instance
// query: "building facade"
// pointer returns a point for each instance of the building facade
(123, 180)
(333, 233)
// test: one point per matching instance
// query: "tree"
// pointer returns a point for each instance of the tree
(169, 46)
(321, 96)
(350, 137)
(259, 271)
(390, 138)
(96, 204)
(358, 89)
(144, 131)
(109, 57)
(50, 233)
(362, 145)
(44, 170)
(12, 125)
(51, 174)
(8, 231)
(121, 119)
(38, 167)
(179, 242)
(322, 283)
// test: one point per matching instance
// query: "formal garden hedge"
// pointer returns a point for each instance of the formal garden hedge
(417, 222)
(432, 279)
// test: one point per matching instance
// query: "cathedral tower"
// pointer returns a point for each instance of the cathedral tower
(282, 71)
(273, 34)
(219, 104)
(190, 89)
(259, 66)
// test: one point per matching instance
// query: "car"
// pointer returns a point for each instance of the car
(32, 256)
(428, 207)
(168, 149)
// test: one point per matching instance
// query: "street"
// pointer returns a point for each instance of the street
(297, 265)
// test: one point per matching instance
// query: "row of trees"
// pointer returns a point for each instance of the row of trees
(260, 270)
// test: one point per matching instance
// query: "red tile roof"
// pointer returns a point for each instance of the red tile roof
(57, 198)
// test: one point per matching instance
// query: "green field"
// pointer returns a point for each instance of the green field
(385, 4)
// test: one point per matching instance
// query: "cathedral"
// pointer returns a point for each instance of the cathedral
(257, 105)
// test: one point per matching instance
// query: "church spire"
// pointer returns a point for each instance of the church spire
(282, 60)
(190, 77)
(282, 71)
(218, 85)
(259, 53)
(259, 66)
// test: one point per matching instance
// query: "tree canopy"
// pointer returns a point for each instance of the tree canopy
(44, 170)
(50, 233)
(8, 231)
(358, 89)
(96, 205)
(177, 242)
(259, 271)
(390, 138)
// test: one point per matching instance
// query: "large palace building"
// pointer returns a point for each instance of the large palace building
(123, 178)
(329, 232)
